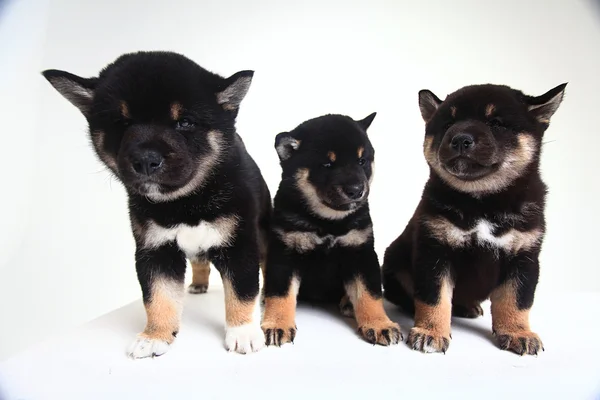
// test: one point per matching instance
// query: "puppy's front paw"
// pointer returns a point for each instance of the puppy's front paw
(520, 342)
(278, 334)
(245, 338)
(197, 288)
(383, 332)
(428, 341)
(146, 346)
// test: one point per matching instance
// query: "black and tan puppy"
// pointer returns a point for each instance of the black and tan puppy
(165, 127)
(478, 229)
(321, 245)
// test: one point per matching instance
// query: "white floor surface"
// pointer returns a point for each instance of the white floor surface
(327, 361)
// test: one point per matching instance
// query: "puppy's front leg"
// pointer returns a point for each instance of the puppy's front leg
(281, 288)
(433, 302)
(362, 282)
(511, 302)
(161, 274)
(239, 270)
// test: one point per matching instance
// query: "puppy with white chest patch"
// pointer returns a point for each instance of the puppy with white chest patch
(165, 127)
(321, 244)
(478, 229)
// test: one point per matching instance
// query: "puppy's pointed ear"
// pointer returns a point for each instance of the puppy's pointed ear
(286, 145)
(543, 107)
(428, 104)
(79, 91)
(236, 88)
(366, 123)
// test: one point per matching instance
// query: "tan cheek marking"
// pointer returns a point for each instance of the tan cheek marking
(332, 156)
(237, 311)
(506, 317)
(436, 318)
(427, 150)
(98, 141)
(175, 111)
(453, 111)
(125, 110)
(489, 110)
(164, 309)
(200, 272)
(360, 152)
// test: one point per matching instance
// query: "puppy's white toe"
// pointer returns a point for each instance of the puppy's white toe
(144, 346)
(245, 338)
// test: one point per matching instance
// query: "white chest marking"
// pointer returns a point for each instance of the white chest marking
(193, 239)
(483, 233)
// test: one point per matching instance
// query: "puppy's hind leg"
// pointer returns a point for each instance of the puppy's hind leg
(200, 275)
(470, 310)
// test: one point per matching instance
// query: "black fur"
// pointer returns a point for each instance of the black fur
(323, 270)
(328, 149)
(489, 122)
(157, 120)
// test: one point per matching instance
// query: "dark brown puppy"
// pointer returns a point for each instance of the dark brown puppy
(478, 230)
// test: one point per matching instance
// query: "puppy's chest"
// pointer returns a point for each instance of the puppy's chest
(307, 241)
(192, 239)
(501, 232)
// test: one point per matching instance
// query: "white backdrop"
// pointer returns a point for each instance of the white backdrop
(66, 253)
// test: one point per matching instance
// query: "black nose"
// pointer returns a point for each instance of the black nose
(462, 142)
(354, 192)
(147, 162)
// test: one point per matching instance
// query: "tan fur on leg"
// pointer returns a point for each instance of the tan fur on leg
(163, 312)
(237, 311)
(279, 320)
(373, 323)
(200, 276)
(431, 332)
(164, 309)
(511, 325)
(243, 333)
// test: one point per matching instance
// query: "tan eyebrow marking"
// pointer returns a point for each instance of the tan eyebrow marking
(360, 152)
(175, 111)
(489, 110)
(331, 156)
(453, 111)
(124, 110)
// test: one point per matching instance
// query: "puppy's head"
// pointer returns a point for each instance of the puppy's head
(157, 120)
(329, 159)
(483, 137)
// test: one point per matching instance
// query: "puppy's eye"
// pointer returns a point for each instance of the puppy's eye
(327, 165)
(496, 122)
(448, 125)
(362, 161)
(184, 123)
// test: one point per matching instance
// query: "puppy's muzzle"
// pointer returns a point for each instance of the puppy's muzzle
(354, 192)
(462, 143)
(146, 162)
